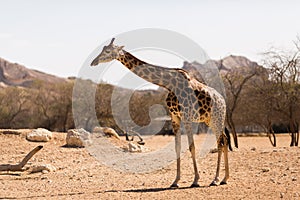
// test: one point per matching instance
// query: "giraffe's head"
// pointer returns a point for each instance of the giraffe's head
(108, 53)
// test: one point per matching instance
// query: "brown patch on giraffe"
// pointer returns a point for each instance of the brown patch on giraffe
(146, 71)
(208, 100)
(183, 94)
(167, 77)
(135, 62)
(129, 65)
(209, 109)
(169, 104)
(154, 76)
(173, 81)
(184, 73)
(180, 85)
(201, 111)
(151, 70)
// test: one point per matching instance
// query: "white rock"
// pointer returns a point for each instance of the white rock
(106, 131)
(44, 168)
(77, 137)
(39, 135)
(136, 148)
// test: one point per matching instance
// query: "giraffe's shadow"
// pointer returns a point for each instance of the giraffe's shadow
(154, 189)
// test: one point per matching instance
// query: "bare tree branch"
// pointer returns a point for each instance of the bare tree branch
(19, 167)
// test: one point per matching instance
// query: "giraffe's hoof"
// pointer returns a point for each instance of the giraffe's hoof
(174, 185)
(194, 185)
(223, 183)
(214, 183)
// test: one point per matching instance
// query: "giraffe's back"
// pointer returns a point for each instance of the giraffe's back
(204, 104)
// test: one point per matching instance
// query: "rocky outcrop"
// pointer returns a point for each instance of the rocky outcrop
(14, 74)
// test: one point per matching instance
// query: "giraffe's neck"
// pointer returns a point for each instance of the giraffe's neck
(161, 76)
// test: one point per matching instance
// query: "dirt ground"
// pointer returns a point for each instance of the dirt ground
(257, 171)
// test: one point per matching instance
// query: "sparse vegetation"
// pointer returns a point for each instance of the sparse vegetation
(260, 98)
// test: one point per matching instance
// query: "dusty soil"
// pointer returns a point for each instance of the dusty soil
(257, 171)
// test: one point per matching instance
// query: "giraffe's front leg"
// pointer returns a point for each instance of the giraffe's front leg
(178, 150)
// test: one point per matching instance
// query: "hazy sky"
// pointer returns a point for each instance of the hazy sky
(57, 36)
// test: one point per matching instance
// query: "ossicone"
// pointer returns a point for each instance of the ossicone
(112, 41)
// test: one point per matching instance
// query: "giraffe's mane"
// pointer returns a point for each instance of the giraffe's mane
(126, 53)
(183, 72)
(180, 70)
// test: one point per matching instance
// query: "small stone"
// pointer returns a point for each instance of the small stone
(266, 169)
(264, 152)
(281, 194)
(42, 168)
(134, 147)
(253, 149)
(272, 180)
(294, 179)
(214, 150)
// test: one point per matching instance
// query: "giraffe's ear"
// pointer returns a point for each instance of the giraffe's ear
(120, 50)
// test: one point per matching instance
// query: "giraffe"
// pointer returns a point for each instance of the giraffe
(188, 101)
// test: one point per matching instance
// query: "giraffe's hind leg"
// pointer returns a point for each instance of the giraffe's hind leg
(193, 153)
(222, 147)
(176, 129)
(225, 149)
(177, 149)
(217, 179)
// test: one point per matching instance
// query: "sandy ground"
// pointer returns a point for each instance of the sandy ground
(257, 171)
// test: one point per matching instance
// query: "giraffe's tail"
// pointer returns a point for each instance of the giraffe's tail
(227, 134)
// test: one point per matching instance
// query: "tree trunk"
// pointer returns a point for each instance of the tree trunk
(293, 131)
(274, 139)
(292, 139)
(232, 128)
(271, 133)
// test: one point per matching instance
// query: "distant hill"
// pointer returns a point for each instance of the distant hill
(224, 65)
(14, 74)
(210, 72)
(233, 61)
